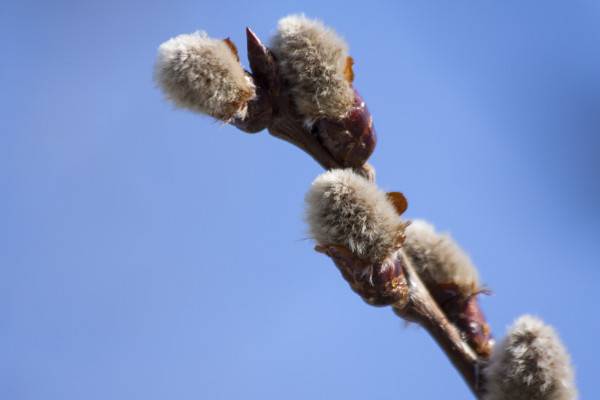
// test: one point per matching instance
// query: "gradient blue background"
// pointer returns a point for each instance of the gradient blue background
(149, 253)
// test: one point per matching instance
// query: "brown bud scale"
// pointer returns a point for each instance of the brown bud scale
(350, 140)
(379, 284)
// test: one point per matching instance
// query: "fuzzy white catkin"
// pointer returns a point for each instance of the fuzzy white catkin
(312, 59)
(530, 364)
(438, 259)
(346, 209)
(203, 75)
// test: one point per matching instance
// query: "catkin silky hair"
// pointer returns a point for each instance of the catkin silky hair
(312, 59)
(203, 75)
(346, 209)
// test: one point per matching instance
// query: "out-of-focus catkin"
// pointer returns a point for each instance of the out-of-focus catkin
(439, 260)
(452, 280)
(530, 364)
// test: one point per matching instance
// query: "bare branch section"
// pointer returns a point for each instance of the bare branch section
(300, 89)
(422, 309)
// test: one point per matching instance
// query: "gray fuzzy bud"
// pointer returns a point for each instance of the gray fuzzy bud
(438, 259)
(344, 208)
(203, 75)
(530, 364)
(312, 59)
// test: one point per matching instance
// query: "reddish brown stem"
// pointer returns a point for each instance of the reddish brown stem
(422, 309)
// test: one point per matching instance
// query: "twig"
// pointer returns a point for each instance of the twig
(273, 109)
(396, 283)
(422, 309)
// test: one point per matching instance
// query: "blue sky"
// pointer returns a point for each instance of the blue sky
(147, 252)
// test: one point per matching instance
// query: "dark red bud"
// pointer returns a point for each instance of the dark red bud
(472, 321)
(350, 140)
(466, 314)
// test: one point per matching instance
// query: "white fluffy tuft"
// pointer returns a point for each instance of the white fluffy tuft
(438, 259)
(346, 209)
(530, 364)
(311, 59)
(203, 75)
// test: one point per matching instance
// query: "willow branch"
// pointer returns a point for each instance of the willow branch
(273, 108)
(291, 103)
(301, 90)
